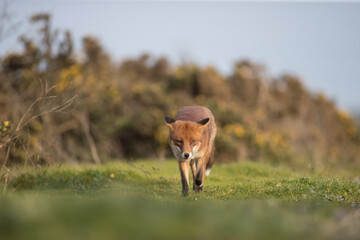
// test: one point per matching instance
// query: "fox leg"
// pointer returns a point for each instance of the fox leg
(200, 174)
(210, 162)
(193, 171)
(184, 172)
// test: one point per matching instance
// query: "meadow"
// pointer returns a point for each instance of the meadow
(64, 119)
(142, 200)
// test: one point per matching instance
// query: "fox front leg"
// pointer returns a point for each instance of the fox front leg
(184, 172)
(200, 176)
(193, 171)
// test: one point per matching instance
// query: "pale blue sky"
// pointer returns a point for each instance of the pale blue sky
(320, 42)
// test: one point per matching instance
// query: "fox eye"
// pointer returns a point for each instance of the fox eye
(179, 142)
(193, 142)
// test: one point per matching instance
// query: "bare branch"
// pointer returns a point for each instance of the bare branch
(45, 104)
(86, 128)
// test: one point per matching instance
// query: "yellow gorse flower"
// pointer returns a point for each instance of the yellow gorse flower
(235, 128)
(4, 126)
(259, 139)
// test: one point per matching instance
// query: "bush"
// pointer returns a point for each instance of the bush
(119, 109)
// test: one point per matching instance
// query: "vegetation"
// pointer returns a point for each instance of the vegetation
(142, 200)
(61, 107)
(231, 181)
(61, 112)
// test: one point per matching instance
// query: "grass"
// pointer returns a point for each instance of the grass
(141, 200)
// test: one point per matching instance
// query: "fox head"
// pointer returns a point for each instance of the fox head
(186, 137)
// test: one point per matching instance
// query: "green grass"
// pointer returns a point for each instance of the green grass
(142, 200)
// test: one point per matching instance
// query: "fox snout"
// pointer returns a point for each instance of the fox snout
(186, 155)
(181, 153)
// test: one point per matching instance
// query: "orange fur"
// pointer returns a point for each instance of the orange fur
(192, 136)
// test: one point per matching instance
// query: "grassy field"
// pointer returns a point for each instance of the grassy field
(142, 200)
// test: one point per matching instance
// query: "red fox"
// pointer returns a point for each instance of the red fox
(191, 136)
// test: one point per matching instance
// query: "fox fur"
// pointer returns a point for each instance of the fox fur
(191, 137)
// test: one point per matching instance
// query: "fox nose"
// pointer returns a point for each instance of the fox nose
(186, 155)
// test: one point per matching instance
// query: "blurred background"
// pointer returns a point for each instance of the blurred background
(91, 81)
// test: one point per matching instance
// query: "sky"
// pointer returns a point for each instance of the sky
(319, 42)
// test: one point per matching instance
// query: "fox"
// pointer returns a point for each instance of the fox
(192, 140)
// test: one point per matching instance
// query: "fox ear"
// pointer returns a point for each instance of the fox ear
(169, 121)
(204, 121)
